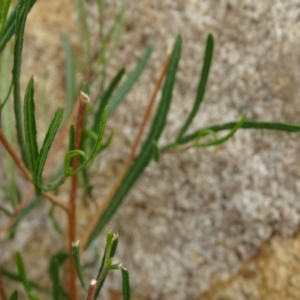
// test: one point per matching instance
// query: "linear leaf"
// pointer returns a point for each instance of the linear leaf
(86, 160)
(3, 15)
(16, 277)
(146, 153)
(14, 296)
(22, 273)
(50, 135)
(30, 125)
(126, 290)
(104, 101)
(9, 28)
(76, 259)
(248, 124)
(128, 84)
(217, 140)
(21, 16)
(55, 264)
(70, 75)
(202, 84)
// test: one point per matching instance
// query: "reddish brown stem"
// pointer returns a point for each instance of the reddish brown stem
(25, 171)
(84, 99)
(130, 158)
(91, 290)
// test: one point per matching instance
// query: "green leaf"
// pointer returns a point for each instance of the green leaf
(248, 124)
(146, 153)
(217, 141)
(202, 84)
(50, 135)
(55, 223)
(104, 100)
(9, 28)
(30, 125)
(3, 15)
(55, 264)
(15, 277)
(107, 259)
(126, 290)
(23, 277)
(70, 75)
(14, 296)
(156, 152)
(129, 82)
(21, 15)
(76, 259)
(85, 161)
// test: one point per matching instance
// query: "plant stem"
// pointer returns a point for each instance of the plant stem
(91, 290)
(25, 171)
(19, 208)
(130, 157)
(84, 99)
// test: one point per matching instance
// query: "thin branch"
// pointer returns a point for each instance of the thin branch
(103, 205)
(91, 290)
(25, 171)
(84, 99)
(14, 156)
(19, 208)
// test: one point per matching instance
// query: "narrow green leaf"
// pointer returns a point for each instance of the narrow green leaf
(14, 296)
(202, 84)
(85, 161)
(50, 135)
(248, 124)
(3, 15)
(115, 267)
(129, 82)
(126, 284)
(55, 223)
(146, 153)
(23, 277)
(9, 28)
(30, 125)
(156, 152)
(112, 39)
(55, 264)
(16, 277)
(76, 259)
(217, 141)
(21, 16)
(70, 75)
(104, 101)
(84, 29)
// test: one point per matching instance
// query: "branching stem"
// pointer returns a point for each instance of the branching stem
(84, 99)
(103, 205)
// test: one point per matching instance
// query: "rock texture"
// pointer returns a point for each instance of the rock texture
(213, 223)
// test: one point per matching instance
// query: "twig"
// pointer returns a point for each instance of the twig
(14, 156)
(91, 290)
(25, 171)
(19, 208)
(103, 205)
(84, 99)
